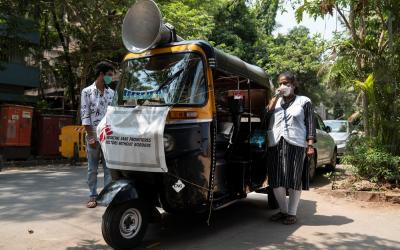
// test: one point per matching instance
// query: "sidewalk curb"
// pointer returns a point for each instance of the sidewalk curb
(36, 162)
(368, 196)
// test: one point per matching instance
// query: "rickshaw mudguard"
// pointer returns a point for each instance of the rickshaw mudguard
(117, 192)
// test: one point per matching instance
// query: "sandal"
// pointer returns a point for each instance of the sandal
(278, 216)
(290, 219)
(92, 203)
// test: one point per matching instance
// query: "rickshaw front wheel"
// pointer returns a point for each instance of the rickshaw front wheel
(124, 225)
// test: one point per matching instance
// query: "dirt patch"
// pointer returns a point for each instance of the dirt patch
(344, 184)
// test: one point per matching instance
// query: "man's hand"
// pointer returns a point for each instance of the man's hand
(92, 145)
(90, 136)
(91, 140)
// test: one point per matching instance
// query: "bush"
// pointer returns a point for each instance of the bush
(371, 161)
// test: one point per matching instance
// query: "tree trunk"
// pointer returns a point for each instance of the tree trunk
(365, 113)
(62, 38)
(82, 83)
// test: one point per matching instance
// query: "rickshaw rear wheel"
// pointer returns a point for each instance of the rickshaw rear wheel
(124, 225)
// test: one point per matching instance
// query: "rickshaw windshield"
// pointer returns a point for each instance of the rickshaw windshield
(164, 79)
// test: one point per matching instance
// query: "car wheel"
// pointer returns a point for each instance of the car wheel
(312, 164)
(124, 225)
(332, 165)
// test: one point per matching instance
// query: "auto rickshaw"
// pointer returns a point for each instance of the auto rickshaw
(183, 131)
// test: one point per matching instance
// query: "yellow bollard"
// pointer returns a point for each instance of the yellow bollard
(71, 137)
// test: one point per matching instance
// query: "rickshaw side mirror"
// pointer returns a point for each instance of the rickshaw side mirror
(236, 106)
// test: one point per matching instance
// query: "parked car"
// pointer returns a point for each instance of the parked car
(340, 132)
(325, 147)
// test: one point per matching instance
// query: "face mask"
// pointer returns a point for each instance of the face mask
(287, 91)
(107, 79)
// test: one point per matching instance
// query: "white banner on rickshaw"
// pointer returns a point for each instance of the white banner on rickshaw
(132, 138)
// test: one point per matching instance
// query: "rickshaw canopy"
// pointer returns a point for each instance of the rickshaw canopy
(230, 64)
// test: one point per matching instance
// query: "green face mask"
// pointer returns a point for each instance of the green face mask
(107, 79)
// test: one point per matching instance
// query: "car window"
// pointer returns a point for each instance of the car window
(337, 126)
(321, 123)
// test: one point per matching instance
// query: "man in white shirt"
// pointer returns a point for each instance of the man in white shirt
(94, 101)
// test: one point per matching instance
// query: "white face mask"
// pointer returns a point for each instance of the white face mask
(286, 90)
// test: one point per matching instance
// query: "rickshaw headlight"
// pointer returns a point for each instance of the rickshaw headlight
(169, 143)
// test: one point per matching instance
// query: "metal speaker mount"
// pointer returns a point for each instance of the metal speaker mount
(143, 27)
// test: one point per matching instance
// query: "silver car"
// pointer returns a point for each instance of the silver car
(340, 132)
(325, 147)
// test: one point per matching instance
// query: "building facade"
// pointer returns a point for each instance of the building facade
(18, 70)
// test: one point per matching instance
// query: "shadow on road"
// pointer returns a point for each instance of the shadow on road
(89, 245)
(244, 225)
(33, 195)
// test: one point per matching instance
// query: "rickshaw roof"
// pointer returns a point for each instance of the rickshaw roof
(228, 63)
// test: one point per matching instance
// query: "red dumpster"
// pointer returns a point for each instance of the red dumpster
(49, 129)
(15, 130)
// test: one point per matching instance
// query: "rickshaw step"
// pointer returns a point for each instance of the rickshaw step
(224, 201)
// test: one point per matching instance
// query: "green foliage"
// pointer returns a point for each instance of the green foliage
(193, 19)
(297, 52)
(371, 161)
(368, 87)
(370, 45)
(265, 13)
(42, 104)
(81, 33)
(235, 30)
(13, 23)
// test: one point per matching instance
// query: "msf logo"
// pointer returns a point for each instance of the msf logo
(106, 130)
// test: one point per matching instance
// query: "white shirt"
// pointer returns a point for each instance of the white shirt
(289, 123)
(94, 104)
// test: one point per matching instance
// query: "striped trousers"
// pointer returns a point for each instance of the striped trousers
(285, 163)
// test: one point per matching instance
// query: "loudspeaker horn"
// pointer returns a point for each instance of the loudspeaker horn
(143, 27)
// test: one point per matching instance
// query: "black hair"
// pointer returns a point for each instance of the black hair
(288, 75)
(103, 67)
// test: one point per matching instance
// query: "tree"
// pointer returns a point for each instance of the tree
(373, 35)
(17, 18)
(265, 13)
(86, 32)
(192, 19)
(235, 30)
(297, 52)
(89, 31)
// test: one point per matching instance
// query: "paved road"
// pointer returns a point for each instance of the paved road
(45, 209)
